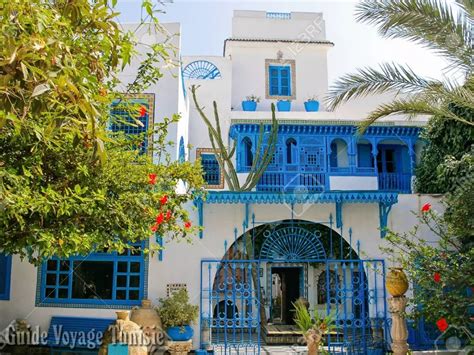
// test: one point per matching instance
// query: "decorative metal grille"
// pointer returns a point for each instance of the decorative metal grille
(201, 69)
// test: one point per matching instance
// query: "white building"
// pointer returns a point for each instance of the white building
(315, 219)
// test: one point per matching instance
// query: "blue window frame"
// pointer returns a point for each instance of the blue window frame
(5, 276)
(280, 80)
(182, 151)
(248, 154)
(210, 166)
(96, 279)
(291, 151)
(122, 121)
(333, 155)
(364, 156)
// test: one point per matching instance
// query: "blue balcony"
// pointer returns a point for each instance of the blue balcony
(291, 182)
(399, 182)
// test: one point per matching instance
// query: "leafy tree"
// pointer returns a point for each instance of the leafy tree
(442, 274)
(445, 29)
(67, 185)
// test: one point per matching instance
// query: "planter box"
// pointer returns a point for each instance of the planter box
(284, 105)
(177, 334)
(311, 106)
(249, 105)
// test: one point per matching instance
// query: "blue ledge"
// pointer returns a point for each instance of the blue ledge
(255, 197)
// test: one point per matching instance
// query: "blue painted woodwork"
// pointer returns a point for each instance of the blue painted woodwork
(284, 105)
(198, 202)
(279, 15)
(180, 333)
(338, 214)
(311, 106)
(124, 114)
(61, 282)
(384, 210)
(160, 241)
(5, 276)
(280, 80)
(249, 105)
(182, 151)
(77, 332)
(333, 155)
(210, 166)
(364, 156)
(201, 69)
(292, 243)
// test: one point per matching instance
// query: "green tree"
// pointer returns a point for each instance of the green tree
(446, 29)
(67, 185)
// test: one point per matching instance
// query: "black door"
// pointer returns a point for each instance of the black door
(290, 291)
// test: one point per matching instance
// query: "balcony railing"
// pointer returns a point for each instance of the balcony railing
(292, 182)
(395, 182)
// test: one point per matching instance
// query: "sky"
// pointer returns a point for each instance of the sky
(206, 24)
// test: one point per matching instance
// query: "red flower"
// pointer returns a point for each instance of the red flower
(160, 218)
(164, 199)
(142, 111)
(426, 207)
(442, 324)
(168, 215)
(187, 225)
(152, 179)
(154, 228)
(437, 277)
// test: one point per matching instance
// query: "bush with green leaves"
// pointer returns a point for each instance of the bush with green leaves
(176, 311)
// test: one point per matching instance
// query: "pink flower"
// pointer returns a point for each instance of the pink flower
(160, 218)
(437, 277)
(187, 225)
(152, 179)
(442, 324)
(426, 207)
(163, 200)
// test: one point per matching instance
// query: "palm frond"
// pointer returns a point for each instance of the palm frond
(388, 78)
(431, 23)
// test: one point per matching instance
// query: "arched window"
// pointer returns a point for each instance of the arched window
(226, 310)
(333, 155)
(201, 69)
(323, 286)
(248, 155)
(291, 151)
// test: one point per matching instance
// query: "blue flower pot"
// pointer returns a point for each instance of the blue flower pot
(177, 333)
(311, 106)
(284, 105)
(249, 105)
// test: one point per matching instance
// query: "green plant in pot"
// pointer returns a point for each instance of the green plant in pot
(313, 329)
(177, 315)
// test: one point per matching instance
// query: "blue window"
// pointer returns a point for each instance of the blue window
(333, 155)
(364, 156)
(291, 151)
(122, 121)
(97, 279)
(5, 274)
(210, 166)
(248, 155)
(280, 80)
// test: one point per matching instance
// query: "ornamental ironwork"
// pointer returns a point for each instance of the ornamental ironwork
(201, 69)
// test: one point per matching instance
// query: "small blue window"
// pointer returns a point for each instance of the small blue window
(280, 80)
(5, 275)
(210, 166)
(248, 155)
(99, 278)
(122, 120)
(291, 151)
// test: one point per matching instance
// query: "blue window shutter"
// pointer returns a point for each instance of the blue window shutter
(333, 155)
(5, 275)
(364, 156)
(210, 166)
(280, 80)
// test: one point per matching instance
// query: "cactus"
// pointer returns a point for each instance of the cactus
(224, 154)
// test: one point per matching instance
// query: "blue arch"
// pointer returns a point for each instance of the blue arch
(292, 243)
(201, 69)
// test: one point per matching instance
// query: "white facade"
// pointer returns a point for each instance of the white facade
(256, 37)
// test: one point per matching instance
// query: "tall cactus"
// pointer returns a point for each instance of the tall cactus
(225, 153)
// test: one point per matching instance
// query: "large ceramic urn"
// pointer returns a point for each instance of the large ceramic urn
(396, 282)
(146, 316)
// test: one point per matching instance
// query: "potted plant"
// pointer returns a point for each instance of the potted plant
(177, 315)
(312, 329)
(284, 105)
(250, 103)
(312, 104)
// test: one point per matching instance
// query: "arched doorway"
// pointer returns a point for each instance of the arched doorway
(251, 290)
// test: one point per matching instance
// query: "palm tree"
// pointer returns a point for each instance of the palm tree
(446, 29)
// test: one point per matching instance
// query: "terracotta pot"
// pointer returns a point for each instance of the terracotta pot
(146, 316)
(396, 282)
(123, 315)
